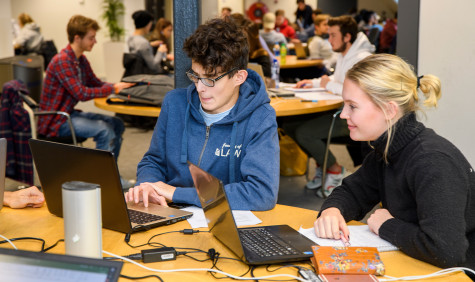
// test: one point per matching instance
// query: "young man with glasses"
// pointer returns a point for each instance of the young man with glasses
(222, 122)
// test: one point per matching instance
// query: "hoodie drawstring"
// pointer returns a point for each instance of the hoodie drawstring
(184, 139)
(232, 174)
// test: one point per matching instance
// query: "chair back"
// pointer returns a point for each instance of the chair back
(135, 64)
(48, 50)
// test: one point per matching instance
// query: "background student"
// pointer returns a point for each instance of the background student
(139, 45)
(425, 185)
(161, 34)
(70, 79)
(29, 38)
(222, 122)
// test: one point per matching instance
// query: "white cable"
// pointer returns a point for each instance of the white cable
(8, 240)
(431, 275)
(204, 269)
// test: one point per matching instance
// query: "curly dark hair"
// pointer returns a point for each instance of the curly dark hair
(219, 45)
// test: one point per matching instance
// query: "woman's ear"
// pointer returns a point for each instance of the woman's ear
(240, 77)
(392, 110)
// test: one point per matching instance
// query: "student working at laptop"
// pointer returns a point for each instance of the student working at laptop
(424, 183)
(70, 79)
(222, 122)
(29, 197)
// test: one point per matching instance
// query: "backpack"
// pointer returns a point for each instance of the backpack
(149, 90)
(48, 51)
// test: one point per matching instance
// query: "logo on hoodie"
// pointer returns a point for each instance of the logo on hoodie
(225, 150)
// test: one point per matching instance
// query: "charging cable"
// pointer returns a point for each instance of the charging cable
(432, 275)
(8, 240)
(205, 269)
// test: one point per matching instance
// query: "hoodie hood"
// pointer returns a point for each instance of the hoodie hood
(252, 94)
(32, 26)
(360, 45)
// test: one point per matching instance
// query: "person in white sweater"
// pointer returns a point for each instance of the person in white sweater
(29, 38)
(351, 47)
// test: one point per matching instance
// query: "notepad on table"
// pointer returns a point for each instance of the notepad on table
(360, 236)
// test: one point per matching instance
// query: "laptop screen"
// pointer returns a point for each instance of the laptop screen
(216, 208)
(17, 265)
(3, 164)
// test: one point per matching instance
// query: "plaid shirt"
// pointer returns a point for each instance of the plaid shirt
(68, 80)
(15, 127)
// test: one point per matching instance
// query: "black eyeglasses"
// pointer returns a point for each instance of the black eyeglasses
(205, 80)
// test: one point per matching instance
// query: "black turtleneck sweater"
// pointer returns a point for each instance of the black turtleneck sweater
(428, 187)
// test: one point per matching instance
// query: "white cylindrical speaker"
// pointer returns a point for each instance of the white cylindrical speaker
(82, 219)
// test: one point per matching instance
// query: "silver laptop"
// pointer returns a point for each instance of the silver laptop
(57, 163)
(3, 166)
(254, 245)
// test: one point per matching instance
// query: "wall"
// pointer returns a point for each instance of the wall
(447, 49)
(379, 6)
(6, 49)
(53, 16)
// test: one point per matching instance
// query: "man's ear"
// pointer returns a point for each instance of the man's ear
(347, 38)
(240, 76)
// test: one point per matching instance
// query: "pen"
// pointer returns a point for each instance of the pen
(314, 101)
(346, 243)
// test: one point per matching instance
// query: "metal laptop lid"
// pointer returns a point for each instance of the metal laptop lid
(25, 266)
(216, 208)
(3, 165)
(57, 163)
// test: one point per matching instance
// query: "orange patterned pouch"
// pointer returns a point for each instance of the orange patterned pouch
(347, 260)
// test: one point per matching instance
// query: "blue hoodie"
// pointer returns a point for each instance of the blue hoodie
(242, 149)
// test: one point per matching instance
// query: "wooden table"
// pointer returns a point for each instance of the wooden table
(282, 106)
(40, 223)
(291, 62)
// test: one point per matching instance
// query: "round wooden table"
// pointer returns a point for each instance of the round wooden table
(283, 107)
(291, 62)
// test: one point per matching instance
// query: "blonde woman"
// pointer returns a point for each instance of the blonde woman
(425, 185)
(29, 39)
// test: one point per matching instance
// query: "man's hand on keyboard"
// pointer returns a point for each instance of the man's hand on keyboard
(157, 193)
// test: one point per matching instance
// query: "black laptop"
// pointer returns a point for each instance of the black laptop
(57, 163)
(25, 266)
(254, 245)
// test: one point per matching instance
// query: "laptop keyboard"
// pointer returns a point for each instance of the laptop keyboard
(139, 217)
(265, 244)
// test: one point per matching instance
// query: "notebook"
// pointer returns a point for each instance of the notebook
(360, 236)
(25, 266)
(57, 163)
(254, 245)
(3, 165)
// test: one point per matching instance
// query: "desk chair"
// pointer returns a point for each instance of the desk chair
(33, 110)
(355, 149)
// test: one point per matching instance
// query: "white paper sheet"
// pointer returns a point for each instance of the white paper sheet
(360, 236)
(242, 217)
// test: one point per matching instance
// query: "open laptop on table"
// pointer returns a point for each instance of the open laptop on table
(57, 163)
(300, 51)
(254, 245)
(3, 166)
(25, 266)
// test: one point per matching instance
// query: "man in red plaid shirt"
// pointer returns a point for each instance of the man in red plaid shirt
(69, 79)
